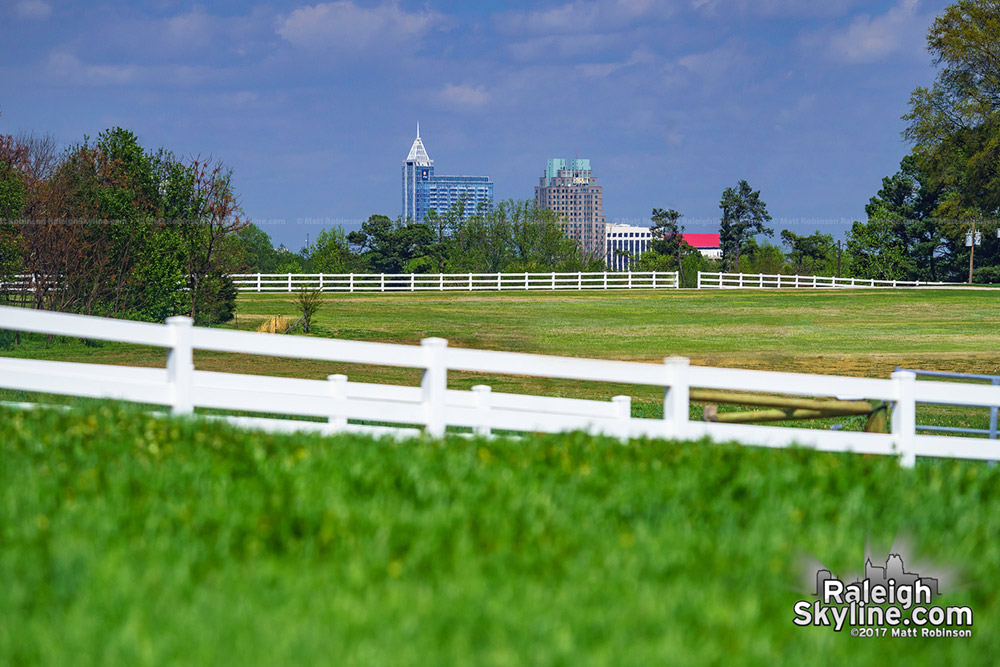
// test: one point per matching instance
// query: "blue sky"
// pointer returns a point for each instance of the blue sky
(314, 105)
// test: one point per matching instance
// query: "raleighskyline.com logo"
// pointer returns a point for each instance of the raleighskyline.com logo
(888, 601)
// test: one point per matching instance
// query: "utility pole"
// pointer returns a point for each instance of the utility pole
(970, 240)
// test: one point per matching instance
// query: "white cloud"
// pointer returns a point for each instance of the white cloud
(870, 38)
(191, 30)
(560, 46)
(715, 64)
(344, 26)
(640, 56)
(773, 8)
(66, 67)
(582, 16)
(463, 96)
(37, 10)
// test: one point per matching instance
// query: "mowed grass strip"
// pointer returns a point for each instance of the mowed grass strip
(857, 332)
(847, 332)
(843, 332)
(128, 539)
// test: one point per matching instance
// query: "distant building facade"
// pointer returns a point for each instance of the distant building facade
(626, 243)
(570, 189)
(424, 191)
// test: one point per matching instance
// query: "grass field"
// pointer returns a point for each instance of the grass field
(845, 332)
(133, 540)
(856, 332)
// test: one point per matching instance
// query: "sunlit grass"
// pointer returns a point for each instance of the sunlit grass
(127, 539)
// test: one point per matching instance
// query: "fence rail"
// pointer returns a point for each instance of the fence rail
(764, 280)
(472, 282)
(444, 282)
(431, 406)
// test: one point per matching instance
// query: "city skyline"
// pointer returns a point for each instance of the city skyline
(309, 103)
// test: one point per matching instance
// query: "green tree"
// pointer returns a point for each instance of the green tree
(909, 199)
(815, 254)
(12, 196)
(393, 246)
(954, 124)
(331, 253)
(153, 242)
(954, 127)
(762, 258)
(255, 251)
(668, 242)
(875, 250)
(744, 215)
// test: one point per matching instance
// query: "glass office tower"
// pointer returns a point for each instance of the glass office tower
(424, 191)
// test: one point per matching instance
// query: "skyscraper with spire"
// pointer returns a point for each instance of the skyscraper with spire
(424, 191)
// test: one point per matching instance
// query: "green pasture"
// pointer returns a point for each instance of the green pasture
(854, 332)
(850, 332)
(134, 540)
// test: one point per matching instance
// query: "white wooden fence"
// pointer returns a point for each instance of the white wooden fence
(760, 280)
(472, 282)
(444, 282)
(432, 406)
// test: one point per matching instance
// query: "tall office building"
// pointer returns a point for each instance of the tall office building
(424, 191)
(570, 189)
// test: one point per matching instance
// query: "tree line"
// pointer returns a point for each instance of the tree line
(515, 236)
(106, 227)
(935, 219)
(947, 189)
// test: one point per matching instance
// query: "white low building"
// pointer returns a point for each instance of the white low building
(626, 243)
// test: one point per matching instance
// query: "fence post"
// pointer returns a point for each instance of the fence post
(381, 282)
(440, 282)
(741, 279)
(481, 394)
(699, 280)
(553, 280)
(321, 282)
(676, 398)
(338, 401)
(630, 279)
(434, 385)
(654, 279)
(180, 364)
(605, 280)
(993, 415)
(904, 416)
(677, 279)
(470, 282)
(351, 283)
(289, 282)
(499, 281)
(413, 282)
(579, 280)
(623, 413)
(258, 282)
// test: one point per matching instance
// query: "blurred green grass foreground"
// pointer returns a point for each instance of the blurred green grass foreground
(138, 540)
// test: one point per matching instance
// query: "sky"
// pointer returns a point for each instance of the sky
(314, 106)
